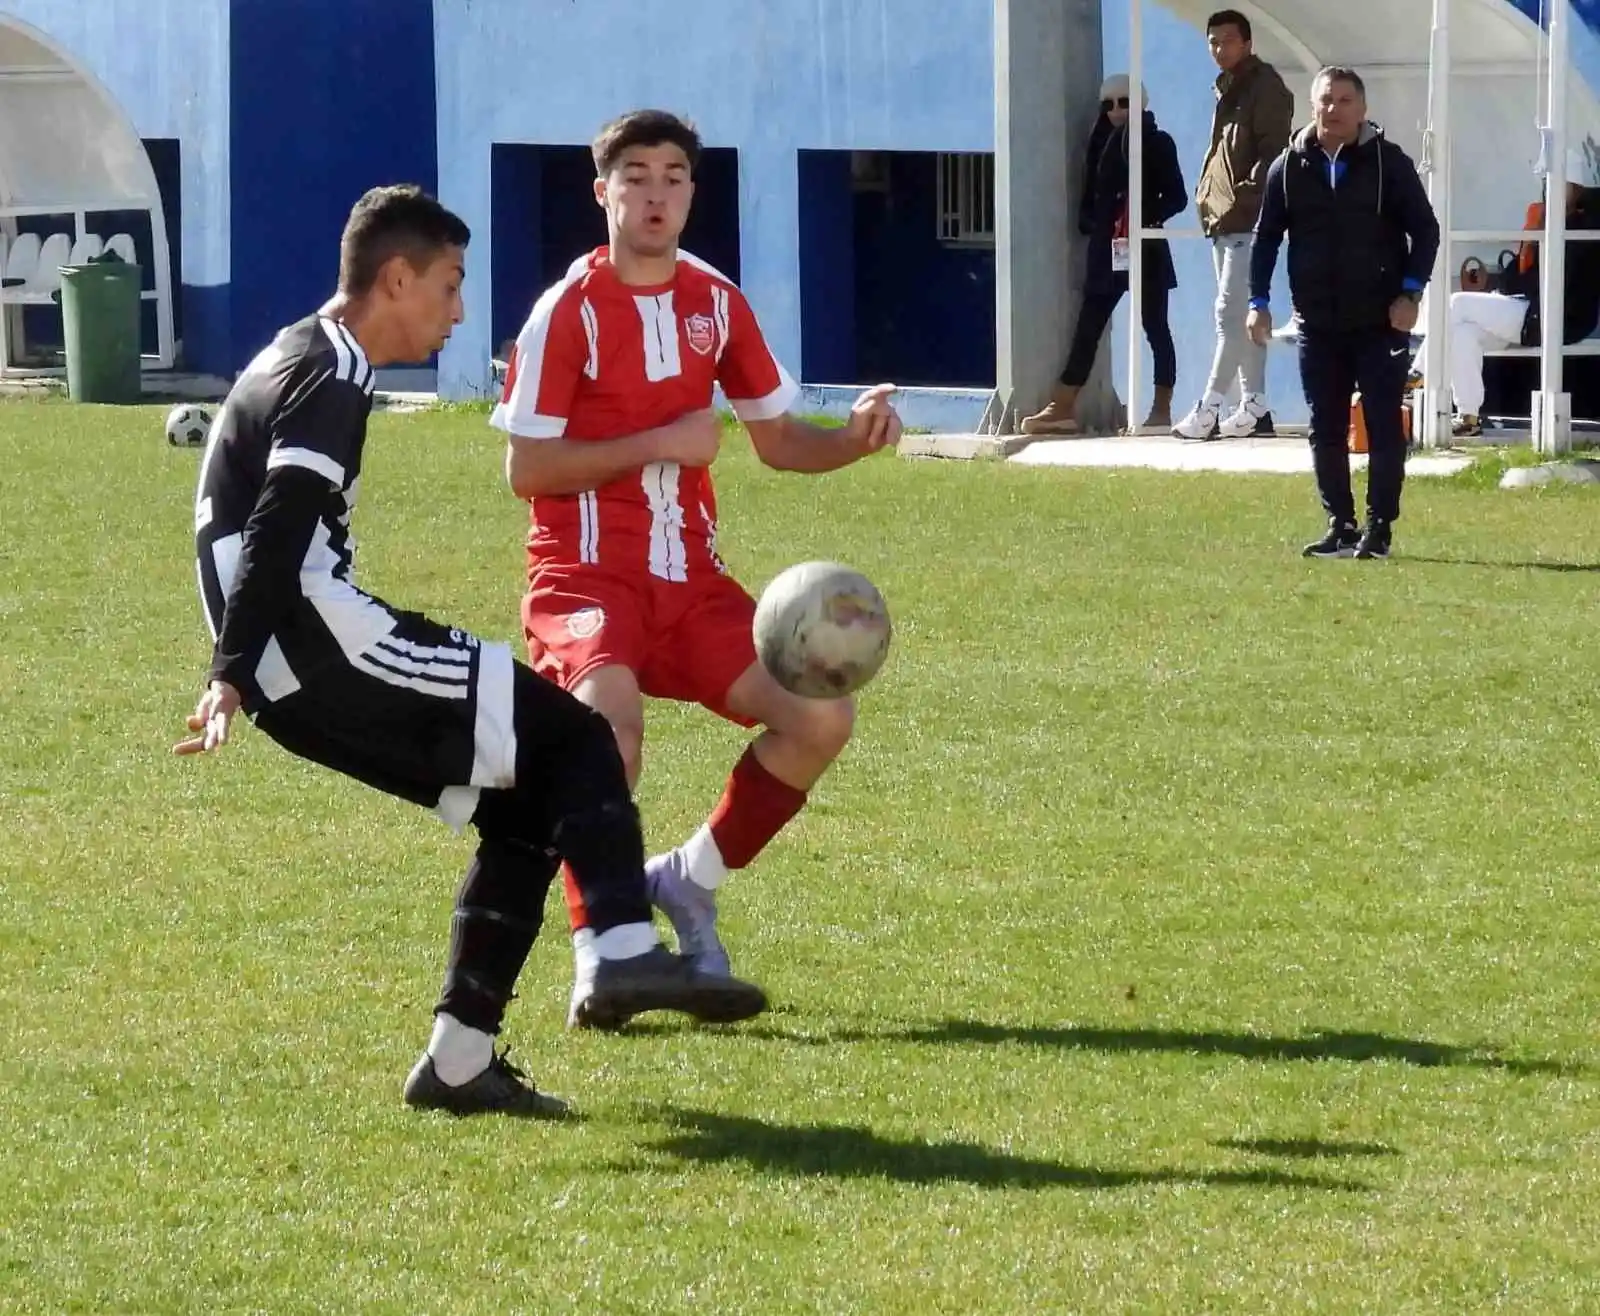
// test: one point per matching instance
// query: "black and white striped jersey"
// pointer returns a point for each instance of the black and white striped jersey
(272, 515)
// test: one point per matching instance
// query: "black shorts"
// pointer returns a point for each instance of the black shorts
(433, 715)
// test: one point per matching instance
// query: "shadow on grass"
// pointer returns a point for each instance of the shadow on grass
(848, 1152)
(1304, 1148)
(1320, 1045)
(1506, 566)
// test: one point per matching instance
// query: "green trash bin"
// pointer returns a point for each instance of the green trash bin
(100, 329)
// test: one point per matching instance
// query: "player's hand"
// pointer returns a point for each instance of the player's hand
(874, 423)
(1258, 324)
(1403, 314)
(210, 719)
(692, 440)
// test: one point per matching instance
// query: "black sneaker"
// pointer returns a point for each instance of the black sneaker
(1340, 541)
(660, 980)
(501, 1089)
(1375, 540)
(1264, 427)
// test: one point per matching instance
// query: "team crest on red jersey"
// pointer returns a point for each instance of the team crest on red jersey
(702, 333)
(586, 623)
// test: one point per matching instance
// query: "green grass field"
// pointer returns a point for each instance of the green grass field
(1192, 928)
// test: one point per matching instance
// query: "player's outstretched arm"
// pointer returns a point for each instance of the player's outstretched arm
(787, 443)
(542, 467)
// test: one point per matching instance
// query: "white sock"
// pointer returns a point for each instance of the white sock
(459, 1053)
(625, 941)
(1215, 401)
(703, 860)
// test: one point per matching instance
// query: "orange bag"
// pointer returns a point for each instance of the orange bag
(1527, 252)
(1358, 425)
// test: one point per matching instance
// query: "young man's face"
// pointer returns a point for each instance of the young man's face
(646, 197)
(1339, 109)
(428, 301)
(1228, 46)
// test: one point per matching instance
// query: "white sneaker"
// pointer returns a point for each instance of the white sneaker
(1201, 423)
(1253, 417)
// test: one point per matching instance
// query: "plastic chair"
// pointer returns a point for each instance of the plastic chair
(22, 260)
(47, 272)
(85, 249)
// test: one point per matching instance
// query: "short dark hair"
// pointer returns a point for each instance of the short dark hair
(644, 128)
(401, 220)
(1231, 18)
(1338, 73)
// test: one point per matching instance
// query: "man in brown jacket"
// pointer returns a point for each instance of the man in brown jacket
(1249, 130)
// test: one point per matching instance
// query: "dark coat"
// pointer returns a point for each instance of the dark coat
(1105, 199)
(1580, 286)
(1360, 227)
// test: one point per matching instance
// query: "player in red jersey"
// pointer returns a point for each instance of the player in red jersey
(611, 436)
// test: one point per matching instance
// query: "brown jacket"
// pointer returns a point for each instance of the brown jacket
(1250, 128)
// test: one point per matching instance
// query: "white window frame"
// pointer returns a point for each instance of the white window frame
(965, 193)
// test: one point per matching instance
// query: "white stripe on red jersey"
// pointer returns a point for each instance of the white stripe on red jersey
(601, 360)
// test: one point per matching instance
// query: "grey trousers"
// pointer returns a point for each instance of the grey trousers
(1236, 358)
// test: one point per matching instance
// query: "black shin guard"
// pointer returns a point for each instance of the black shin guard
(499, 910)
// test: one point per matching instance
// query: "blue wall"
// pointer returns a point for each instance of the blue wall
(165, 63)
(330, 97)
(853, 74)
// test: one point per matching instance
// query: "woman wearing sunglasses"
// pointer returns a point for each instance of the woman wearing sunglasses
(1103, 218)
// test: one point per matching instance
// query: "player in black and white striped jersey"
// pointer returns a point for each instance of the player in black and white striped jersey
(403, 703)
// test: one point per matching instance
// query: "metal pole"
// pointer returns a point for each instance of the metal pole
(1434, 420)
(1135, 208)
(1552, 417)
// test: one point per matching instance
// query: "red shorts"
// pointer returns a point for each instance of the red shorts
(688, 641)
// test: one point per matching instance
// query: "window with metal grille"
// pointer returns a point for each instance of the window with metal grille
(966, 198)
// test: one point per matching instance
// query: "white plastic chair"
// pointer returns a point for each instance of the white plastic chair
(122, 244)
(86, 248)
(23, 259)
(47, 272)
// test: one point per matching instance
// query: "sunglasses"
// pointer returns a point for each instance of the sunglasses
(1121, 103)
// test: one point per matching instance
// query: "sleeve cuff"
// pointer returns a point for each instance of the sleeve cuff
(1412, 285)
(1260, 303)
(775, 404)
(522, 426)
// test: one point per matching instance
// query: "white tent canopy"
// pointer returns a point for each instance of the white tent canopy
(68, 153)
(1477, 92)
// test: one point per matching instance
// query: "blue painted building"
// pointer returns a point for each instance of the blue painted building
(849, 184)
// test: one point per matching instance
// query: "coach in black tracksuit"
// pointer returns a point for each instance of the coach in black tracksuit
(1362, 240)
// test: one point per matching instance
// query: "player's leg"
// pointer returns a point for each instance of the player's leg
(613, 692)
(713, 661)
(571, 792)
(405, 722)
(585, 632)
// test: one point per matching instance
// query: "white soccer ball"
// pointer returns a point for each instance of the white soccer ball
(188, 423)
(822, 630)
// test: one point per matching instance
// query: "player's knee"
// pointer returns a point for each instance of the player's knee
(827, 726)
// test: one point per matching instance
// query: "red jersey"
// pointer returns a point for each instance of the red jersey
(599, 359)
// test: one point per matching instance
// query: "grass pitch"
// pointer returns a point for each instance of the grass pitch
(1191, 928)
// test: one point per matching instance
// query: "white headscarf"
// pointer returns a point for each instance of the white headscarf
(1116, 87)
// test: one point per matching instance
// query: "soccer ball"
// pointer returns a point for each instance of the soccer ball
(188, 425)
(822, 630)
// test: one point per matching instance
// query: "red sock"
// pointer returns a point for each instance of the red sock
(577, 911)
(755, 806)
